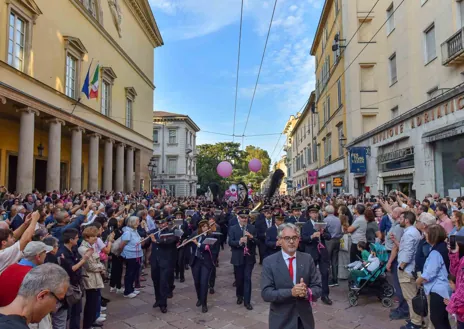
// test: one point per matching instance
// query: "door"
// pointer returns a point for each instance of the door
(63, 176)
(40, 179)
(12, 171)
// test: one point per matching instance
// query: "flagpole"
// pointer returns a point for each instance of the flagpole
(86, 82)
(75, 105)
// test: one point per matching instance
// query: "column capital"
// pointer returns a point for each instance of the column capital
(130, 148)
(120, 144)
(95, 135)
(27, 109)
(2, 99)
(109, 140)
(77, 128)
(56, 120)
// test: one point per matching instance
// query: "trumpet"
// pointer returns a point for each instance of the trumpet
(195, 237)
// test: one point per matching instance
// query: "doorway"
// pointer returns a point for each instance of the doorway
(40, 177)
(12, 172)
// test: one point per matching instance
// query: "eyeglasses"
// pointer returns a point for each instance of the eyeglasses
(59, 302)
(291, 238)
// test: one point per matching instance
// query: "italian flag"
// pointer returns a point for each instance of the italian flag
(94, 83)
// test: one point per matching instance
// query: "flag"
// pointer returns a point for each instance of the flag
(85, 86)
(94, 85)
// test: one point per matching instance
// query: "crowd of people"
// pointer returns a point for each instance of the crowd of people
(59, 249)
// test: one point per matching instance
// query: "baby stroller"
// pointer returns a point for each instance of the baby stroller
(374, 282)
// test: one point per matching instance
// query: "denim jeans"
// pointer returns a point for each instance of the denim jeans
(402, 304)
(132, 270)
(75, 315)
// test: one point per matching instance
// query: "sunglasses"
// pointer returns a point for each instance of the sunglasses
(59, 302)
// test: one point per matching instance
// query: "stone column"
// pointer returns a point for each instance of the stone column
(119, 184)
(129, 169)
(76, 159)
(137, 173)
(54, 154)
(108, 171)
(93, 162)
(25, 171)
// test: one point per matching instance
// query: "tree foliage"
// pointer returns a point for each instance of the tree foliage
(210, 155)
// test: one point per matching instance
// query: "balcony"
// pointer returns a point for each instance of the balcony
(452, 50)
(188, 148)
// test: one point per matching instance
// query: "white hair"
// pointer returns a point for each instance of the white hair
(283, 226)
(48, 276)
(329, 209)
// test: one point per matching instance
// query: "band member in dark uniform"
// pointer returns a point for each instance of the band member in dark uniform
(180, 261)
(163, 262)
(296, 216)
(242, 240)
(223, 222)
(314, 242)
(262, 224)
(201, 262)
(272, 241)
(215, 249)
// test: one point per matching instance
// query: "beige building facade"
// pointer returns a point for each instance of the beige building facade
(56, 138)
(403, 94)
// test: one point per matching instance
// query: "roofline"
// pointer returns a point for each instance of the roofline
(318, 30)
(177, 117)
(155, 25)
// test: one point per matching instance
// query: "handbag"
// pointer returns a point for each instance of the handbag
(73, 295)
(345, 242)
(419, 303)
(115, 247)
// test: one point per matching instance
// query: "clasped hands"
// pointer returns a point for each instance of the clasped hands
(300, 289)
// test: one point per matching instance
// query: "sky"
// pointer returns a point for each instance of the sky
(195, 70)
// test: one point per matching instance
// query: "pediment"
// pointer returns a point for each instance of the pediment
(75, 43)
(31, 5)
(109, 72)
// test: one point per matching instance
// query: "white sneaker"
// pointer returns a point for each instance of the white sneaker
(100, 320)
(131, 295)
(102, 315)
(136, 292)
(102, 308)
(113, 289)
(120, 291)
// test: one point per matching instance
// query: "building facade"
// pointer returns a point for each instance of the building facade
(289, 152)
(53, 137)
(330, 98)
(406, 91)
(304, 149)
(282, 165)
(174, 150)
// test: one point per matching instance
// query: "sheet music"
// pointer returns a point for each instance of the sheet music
(178, 233)
(209, 241)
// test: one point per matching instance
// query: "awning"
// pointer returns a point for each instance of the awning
(303, 188)
(393, 173)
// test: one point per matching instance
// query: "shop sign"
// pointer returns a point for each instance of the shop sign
(322, 185)
(337, 182)
(395, 155)
(358, 160)
(289, 184)
(445, 134)
(312, 177)
(456, 104)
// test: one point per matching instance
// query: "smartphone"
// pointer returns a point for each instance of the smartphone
(452, 242)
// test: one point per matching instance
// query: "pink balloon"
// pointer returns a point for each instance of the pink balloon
(224, 169)
(254, 165)
(460, 166)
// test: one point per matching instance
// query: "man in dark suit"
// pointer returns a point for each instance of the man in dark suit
(290, 282)
(181, 224)
(296, 216)
(272, 241)
(314, 242)
(242, 240)
(18, 220)
(262, 224)
(215, 249)
(163, 262)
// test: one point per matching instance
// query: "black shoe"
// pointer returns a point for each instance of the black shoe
(182, 279)
(204, 309)
(326, 300)
(211, 291)
(99, 325)
(163, 309)
(170, 295)
(155, 305)
(198, 304)
(239, 300)
(233, 284)
(248, 307)
(106, 300)
(103, 303)
(332, 284)
(186, 267)
(177, 277)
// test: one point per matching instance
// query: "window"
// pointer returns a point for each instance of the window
(328, 108)
(314, 151)
(318, 151)
(172, 166)
(129, 107)
(172, 190)
(92, 7)
(432, 93)
(390, 19)
(156, 166)
(430, 46)
(328, 149)
(324, 107)
(341, 140)
(339, 93)
(71, 76)
(16, 41)
(394, 112)
(392, 64)
(172, 136)
(156, 136)
(309, 154)
(105, 98)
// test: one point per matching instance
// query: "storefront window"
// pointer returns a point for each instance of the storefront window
(448, 180)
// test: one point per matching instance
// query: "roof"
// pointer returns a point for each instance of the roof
(158, 115)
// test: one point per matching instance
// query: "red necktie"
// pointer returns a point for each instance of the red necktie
(290, 267)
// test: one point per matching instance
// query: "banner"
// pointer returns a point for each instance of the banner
(358, 160)
(337, 182)
(312, 177)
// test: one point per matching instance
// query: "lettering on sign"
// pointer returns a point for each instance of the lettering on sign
(395, 155)
(426, 117)
(337, 181)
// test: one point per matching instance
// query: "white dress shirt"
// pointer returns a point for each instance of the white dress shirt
(287, 262)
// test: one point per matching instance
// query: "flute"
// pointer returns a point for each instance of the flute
(148, 237)
(190, 240)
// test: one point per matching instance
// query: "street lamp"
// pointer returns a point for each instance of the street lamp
(152, 170)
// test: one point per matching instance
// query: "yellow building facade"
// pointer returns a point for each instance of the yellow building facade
(53, 137)
(330, 96)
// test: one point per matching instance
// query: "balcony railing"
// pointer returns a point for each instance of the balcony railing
(453, 49)
(188, 148)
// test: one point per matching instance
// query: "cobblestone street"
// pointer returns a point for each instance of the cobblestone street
(225, 313)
